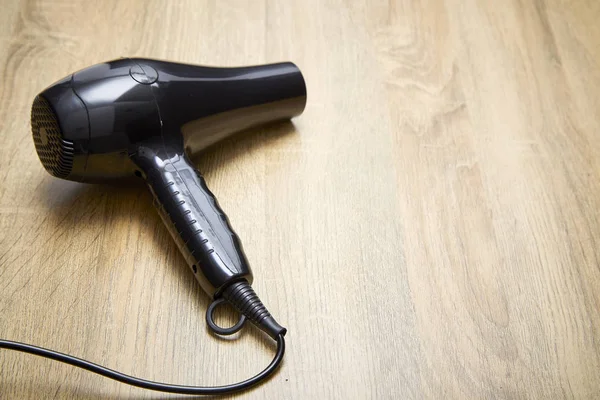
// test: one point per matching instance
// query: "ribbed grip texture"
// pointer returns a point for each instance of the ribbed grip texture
(243, 298)
(194, 218)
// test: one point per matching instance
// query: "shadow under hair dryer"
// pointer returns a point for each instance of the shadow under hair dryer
(146, 117)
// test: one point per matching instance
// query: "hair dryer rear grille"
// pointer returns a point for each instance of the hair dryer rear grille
(55, 153)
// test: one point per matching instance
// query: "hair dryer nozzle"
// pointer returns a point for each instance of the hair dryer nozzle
(233, 99)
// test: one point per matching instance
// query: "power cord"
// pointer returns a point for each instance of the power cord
(151, 385)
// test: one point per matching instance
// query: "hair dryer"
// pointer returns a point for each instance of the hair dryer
(146, 117)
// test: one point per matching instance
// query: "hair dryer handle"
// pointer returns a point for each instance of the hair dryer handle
(194, 218)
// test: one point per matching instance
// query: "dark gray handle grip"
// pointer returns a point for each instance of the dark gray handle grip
(195, 219)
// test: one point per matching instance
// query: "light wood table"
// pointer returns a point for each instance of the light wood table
(428, 228)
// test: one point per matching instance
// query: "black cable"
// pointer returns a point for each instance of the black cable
(151, 385)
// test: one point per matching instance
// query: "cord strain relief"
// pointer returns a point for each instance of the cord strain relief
(243, 298)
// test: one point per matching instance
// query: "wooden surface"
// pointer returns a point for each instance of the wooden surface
(428, 228)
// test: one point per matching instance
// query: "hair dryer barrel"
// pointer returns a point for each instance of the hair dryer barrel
(87, 125)
(207, 104)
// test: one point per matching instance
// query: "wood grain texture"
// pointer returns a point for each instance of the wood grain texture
(428, 228)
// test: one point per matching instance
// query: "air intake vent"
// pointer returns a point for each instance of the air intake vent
(55, 153)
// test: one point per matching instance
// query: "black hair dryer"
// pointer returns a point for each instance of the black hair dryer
(146, 117)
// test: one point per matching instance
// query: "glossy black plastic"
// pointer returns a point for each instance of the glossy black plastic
(148, 117)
